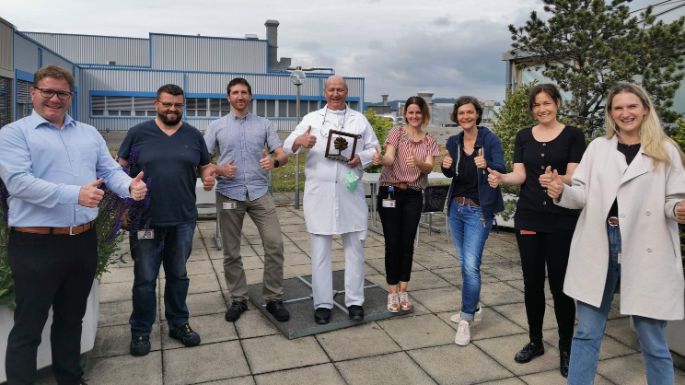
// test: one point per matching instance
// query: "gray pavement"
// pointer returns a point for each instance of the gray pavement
(413, 349)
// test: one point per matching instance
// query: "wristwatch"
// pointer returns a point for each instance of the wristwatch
(276, 163)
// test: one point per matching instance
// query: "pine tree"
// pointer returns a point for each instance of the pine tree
(585, 46)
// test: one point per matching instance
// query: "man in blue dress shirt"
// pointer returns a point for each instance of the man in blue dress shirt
(52, 167)
(243, 143)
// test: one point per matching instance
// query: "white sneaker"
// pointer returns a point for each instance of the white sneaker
(463, 336)
(456, 318)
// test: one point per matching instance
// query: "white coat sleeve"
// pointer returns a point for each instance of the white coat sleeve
(675, 181)
(290, 140)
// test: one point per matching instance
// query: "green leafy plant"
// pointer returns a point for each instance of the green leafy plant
(381, 127)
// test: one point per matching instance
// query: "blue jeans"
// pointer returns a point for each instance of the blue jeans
(470, 230)
(592, 322)
(171, 247)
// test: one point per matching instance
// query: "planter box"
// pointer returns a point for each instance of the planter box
(44, 358)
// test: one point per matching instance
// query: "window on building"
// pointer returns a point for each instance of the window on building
(5, 101)
(24, 104)
(122, 106)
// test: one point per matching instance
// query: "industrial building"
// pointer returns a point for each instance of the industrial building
(117, 77)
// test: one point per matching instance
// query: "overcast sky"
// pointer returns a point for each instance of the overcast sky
(401, 47)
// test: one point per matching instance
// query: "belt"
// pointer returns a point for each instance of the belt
(612, 221)
(71, 230)
(464, 201)
(400, 185)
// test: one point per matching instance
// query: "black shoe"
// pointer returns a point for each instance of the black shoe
(233, 313)
(277, 310)
(82, 382)
(564, 358)
(322, 315)
(530, 351)
(186, 335)
(140, 345)
(356, 313)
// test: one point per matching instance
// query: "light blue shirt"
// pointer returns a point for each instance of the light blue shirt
(44, 167)
(242, 140)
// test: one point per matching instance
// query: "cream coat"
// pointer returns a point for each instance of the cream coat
(329, 208)
(651, 267)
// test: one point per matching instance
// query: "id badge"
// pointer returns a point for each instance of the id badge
(146, 234)
(230, 205)
(389, 203)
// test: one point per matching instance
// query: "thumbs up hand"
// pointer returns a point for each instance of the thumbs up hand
(494, 178)
(479, 160)
(377, 159)
(228, 170)
(90, 195)
(267, 162)
(447, 160)
(306, 140)
(546, 178)
(555, 187)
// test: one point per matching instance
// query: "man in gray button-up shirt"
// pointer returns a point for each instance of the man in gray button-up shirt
(244, 143)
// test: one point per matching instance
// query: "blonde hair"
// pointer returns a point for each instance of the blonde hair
(652, 136)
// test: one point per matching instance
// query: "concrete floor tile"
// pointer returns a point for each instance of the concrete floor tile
(438, 300)
(436, 260)
(628, 370)
(115, 292)
(457, 365)
(198, 268)
(395, 368)
(115, 313)
(204, 363)
(503, 350)
(375, 252)
(426, 280)
(126, 370)
(610, 347)
(118, 274)
(296, 258)
(266, 354)
(203, 303)
(313, 375)
(115, 340)
(212, 328)
(620, 330)
(498, 293)
(414, 332)
(553, 377)
(360, 341)
(247, 380)
(517, 313)
(204, 283)
(507, 381)
(253, 324)
(504, 271)
(298, 270)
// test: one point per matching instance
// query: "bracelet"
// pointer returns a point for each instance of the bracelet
(276, 163)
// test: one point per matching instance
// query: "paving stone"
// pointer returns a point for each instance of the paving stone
(418, 331)
(296, 258)
(204, 283)
(115, 340)
(426, 280)
(517, 313)
(360, 341)
(374, 252)
(247, 380)
(198, 268)
(438, 300)
(491, 325)
(621, 330)
(253, 324)
(313, 375)
(436, 260)
(126, 370)
(266, 354)
(204, 363)
(504, 271)
(203, 303)
(508, 381)
(553, 377)
(498, 293)
(503, 349)
(118, 274)
(212, 328)
(610, 348)
(115, 292)
(452, 364)
(386, 369)
(115, 313)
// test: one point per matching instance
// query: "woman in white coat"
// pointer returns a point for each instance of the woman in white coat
(630, 185)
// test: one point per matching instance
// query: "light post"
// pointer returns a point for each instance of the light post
(297, 77)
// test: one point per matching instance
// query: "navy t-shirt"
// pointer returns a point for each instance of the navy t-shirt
(169, 164)
(535, 209)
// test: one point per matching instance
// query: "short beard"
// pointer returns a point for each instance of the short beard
(170, 122)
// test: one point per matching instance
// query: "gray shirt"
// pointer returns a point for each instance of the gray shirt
(242, 140)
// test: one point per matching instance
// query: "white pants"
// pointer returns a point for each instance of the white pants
(322, 275)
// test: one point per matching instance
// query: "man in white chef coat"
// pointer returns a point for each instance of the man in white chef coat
(334, 201)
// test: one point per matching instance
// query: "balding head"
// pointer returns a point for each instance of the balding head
(335, 90)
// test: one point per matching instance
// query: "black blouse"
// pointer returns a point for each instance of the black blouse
(535, 210)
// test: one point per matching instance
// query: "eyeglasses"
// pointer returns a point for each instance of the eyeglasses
(179, 106)
(48, 93)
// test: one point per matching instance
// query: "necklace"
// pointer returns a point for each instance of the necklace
(340, 126)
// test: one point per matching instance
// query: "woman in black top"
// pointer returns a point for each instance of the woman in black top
(544, 230)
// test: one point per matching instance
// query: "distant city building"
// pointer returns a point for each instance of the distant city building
(117, 77)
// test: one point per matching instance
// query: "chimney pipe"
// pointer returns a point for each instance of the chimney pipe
(272, 43)
(385, 99)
